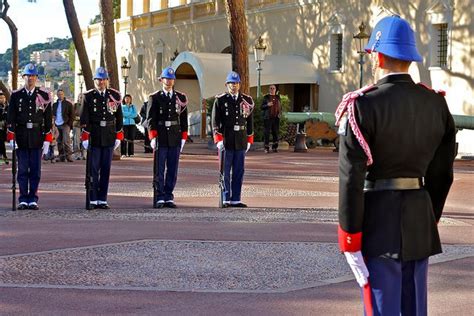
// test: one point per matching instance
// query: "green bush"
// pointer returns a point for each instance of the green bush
(258, 116)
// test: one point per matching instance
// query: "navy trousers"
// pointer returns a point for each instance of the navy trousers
(100, 172)
(166, 172)
(234, 160)
(29, 174)
(398, 287)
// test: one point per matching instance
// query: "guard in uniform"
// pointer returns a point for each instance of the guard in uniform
(101, 121)
(167, 116)
(232, 125)
(395, 171)
(29, 123)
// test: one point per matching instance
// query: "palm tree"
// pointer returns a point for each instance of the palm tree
(4, 6)
(238, 40)
(76, 34)
(108, 41)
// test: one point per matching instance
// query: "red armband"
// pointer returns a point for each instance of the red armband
(10, 136)
(119, 135)
(349, 242)
(152, 134)
(250, 139)
(184, 135)
(218, 138)
(48, 137)
(84, 136)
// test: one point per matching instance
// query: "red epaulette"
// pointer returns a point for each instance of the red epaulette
(438, 91)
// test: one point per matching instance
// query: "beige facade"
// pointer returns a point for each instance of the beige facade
(307, 28)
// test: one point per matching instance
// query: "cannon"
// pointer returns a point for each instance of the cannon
(326, 130)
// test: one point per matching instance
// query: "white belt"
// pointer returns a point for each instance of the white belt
(103, 123)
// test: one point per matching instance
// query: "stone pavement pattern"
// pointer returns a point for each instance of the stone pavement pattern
(278, 257)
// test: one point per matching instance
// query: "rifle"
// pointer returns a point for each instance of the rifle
(221, 154)
(88, 182)
(14, 176)
(155, 176)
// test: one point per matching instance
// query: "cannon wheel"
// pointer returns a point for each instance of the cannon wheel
(310, 142)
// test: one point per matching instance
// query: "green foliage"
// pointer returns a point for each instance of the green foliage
(24, 54)
(71, 53)
(258, 116)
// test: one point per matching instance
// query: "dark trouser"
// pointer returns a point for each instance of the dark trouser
(234, 159)
(271, 125)
(167, 157)
(398, 287)
(64, 142)
(29, 174)
(147, 142)
(126, 147)
(3, 149)
(100, 172)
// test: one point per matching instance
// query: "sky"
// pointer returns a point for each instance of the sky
(45, 18)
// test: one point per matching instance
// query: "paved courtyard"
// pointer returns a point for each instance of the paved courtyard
(277, 257)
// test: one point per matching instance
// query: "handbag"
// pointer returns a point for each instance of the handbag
(136, 119)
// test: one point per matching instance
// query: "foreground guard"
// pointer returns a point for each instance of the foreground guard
(101, 120)
(395, 171)
(232, 125)
(29, 123)
(168, 130)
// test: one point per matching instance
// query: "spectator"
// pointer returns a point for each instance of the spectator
(76, 131)
(63, 115)
(144, 123)
(3, 126)
(271, 107)
(129, 128)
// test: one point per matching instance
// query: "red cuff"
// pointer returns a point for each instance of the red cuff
(152, 134)
(349, 242)
(250, 139)
(218, 138)
(119, 135)
(10, 136)
(48, 137)
(184, 135)
(84, 136)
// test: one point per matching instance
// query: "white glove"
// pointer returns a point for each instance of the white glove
(220, 145)
(13, 143)
(153, 143)
(183, 141)
(45, 147)
(85, 144)
(248, 147)
(117, 144)
(358, 267)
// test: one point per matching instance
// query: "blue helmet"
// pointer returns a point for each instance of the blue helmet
(101, 73)
(31, 70)
(168, 73)
(393, 37)
(232, 77)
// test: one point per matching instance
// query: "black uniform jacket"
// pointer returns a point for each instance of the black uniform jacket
(3, 122)
(411, 134)
(168, 118)
(101, 117)
(67, 111)
(29, 118)
(232, 121)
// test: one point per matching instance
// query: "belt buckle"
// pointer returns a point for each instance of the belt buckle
(236, 128)
(103, 123)
(29, 125)
(167, 123)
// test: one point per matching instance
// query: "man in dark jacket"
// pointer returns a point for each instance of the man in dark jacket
(3, 126)
(395, 171)
(271, 107)
(102, 121)
(63, 116)
(168, 130)
(232, 125)
(29, 123)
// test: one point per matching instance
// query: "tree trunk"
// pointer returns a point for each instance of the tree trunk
(79, 42)
(238, 40)
(14, 34)
(4, 89)
(108, 42)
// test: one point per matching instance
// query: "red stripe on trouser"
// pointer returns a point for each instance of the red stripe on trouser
(367, 294)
